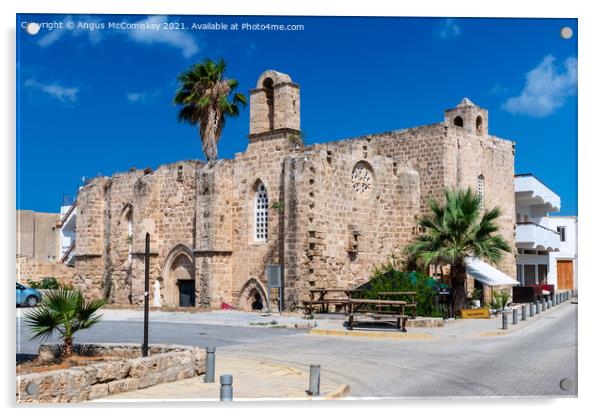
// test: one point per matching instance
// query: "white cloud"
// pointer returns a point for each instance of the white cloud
(51, 37)
(144, 97)
(449, 29)
(83, 27)
(546, 88)
(175, 38)
(55, 90)
(135, 97)
(91, 28)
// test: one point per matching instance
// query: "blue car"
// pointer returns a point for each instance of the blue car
(27, 296)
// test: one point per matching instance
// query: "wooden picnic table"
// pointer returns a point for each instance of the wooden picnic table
(411, 304)
(317, 296)
(361, 307)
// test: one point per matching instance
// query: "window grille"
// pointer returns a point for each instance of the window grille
(261, 214)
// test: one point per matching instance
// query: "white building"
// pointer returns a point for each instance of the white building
(563, 263)
(546, 244)
(67, 228)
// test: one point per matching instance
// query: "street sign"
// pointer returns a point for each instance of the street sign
(481, 313)
(274, 276)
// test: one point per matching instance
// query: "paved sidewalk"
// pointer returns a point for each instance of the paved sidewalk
(219, 317)
(452, 329)
(253, 379)
(333, 324)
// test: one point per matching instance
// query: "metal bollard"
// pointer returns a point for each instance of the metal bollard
(531, 310)
(514, 316)
(523, 315)
(543, 305)
(225, 390)
(210, 365)
(314, 380)
(537, 308)
(504, 320)
(553, 300)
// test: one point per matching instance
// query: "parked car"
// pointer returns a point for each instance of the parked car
(27, 296)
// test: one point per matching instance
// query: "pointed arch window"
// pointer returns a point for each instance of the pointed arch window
(260, 228)
(130, 235)
(479, 125)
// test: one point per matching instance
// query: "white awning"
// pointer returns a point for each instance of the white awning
(487, 274)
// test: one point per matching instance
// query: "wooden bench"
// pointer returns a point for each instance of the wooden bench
(362, 307)
(319, 297)
(411, 303)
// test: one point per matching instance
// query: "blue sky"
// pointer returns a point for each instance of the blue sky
(98, 101)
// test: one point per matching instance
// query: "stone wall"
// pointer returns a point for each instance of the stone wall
(126, 371)
(320, 229)
(340, 233)
(30, 269)
(37, 235)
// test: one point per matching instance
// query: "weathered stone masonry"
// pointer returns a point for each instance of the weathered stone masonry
(333, 210)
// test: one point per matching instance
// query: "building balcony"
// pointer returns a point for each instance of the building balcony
(530, 191)
(532, 236)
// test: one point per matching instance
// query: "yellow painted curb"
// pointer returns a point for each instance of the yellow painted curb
(369, 334)
(493, 334)
(341, 391)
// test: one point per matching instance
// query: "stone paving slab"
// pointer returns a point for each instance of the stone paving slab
(253, 379)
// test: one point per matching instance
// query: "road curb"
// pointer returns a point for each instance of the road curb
(370, 334)
(339, 392)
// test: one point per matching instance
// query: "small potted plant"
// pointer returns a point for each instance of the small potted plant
(475, 298)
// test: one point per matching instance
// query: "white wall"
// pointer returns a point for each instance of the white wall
(568, 248)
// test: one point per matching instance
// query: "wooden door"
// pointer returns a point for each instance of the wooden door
(564, 273)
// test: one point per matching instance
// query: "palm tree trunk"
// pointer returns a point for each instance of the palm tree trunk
(209, 134)
(458, 281)
(67, 347)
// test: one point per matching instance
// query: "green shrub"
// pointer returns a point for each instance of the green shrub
(499, 299)
(45, 283)
(389, 279)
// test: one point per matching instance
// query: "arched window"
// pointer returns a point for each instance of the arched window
(458, 121)
(260, 228)
(130, 234)
(481, 190)
(479, 126)
(268, 84)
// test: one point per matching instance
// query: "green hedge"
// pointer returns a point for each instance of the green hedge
(45, 283)
(389, 279)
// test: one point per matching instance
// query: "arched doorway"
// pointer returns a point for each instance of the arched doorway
(252, 296)
(178, 278)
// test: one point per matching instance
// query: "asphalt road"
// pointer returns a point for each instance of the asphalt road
(162, 333)
(530, 362)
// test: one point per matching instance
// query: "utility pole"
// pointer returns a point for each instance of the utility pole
(146, 295)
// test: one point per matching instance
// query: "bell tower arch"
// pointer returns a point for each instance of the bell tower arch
(274, 104)
(470, 117)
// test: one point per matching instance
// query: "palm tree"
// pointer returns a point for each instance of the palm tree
(204, 97)
(454, 232)
(66, 312)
